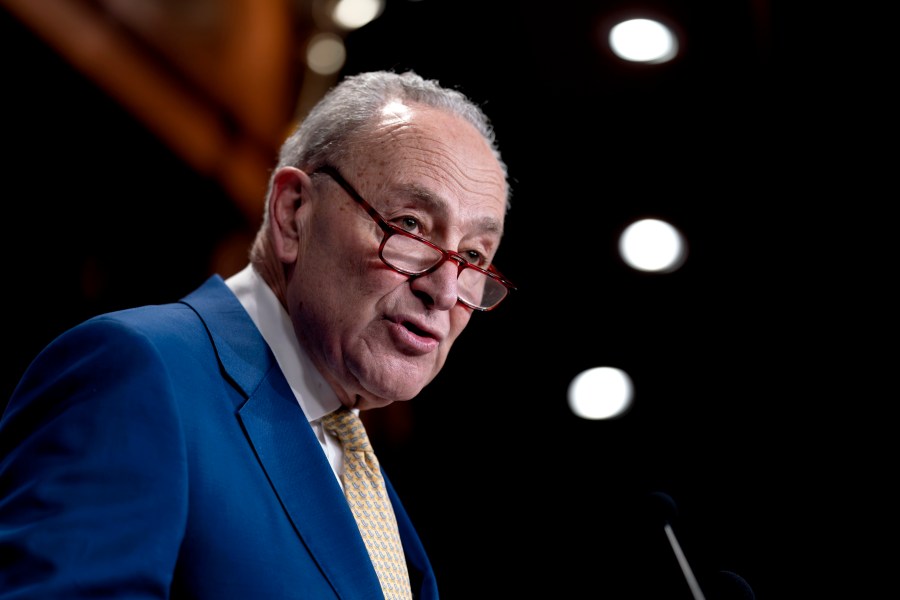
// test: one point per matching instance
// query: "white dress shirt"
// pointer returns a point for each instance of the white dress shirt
(315, 396)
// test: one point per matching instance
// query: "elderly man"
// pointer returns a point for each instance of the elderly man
(203, 449)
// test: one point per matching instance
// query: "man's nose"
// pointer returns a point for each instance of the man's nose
(441, 286)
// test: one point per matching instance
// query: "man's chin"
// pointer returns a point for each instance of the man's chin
(395, 377)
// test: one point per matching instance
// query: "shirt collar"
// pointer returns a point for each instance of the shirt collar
(315, 396)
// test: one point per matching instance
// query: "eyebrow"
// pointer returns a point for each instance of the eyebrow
(438, 205)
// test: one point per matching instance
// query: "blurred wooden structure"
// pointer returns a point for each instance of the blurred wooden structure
(219, 81)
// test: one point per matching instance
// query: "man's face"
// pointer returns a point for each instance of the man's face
(377, 334)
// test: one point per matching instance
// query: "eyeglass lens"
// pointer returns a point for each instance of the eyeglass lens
(411, 255)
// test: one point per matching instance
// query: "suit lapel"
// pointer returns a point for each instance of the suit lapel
(285, 445)
(303, 479)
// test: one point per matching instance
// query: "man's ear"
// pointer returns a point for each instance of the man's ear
(290, 188)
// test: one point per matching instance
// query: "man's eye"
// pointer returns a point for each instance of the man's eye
(410, 224)
(475, 257)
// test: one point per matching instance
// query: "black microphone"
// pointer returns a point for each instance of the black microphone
(729, 586)
(724, 586)
(667, 507)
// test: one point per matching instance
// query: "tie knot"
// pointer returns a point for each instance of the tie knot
(347, 426)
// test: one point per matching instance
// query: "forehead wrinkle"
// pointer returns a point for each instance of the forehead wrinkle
(426, 155)
(417, 142)
(441, 206)
(473, 178)
(422, 141)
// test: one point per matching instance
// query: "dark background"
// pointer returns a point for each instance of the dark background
(757, 366)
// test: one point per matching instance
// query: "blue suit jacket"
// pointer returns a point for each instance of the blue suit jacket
(158, 452)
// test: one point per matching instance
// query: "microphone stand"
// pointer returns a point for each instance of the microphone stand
(683, 563)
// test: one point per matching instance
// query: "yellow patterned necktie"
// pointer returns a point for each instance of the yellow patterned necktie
(367, 496)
